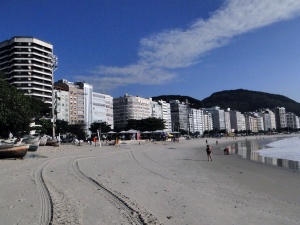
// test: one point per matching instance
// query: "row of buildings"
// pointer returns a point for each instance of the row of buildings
(29, 64)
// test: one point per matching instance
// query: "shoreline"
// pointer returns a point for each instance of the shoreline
(163, 182)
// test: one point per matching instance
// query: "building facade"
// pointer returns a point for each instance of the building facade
(179, 116)
(237, 121)
(102, 109)
(28, 64)
(87, 99)
(162, 110)
(76, 101)
(130, 107)
(292, 120)
(61, 104)
(280, 117)
(218, 117)
(196, 121)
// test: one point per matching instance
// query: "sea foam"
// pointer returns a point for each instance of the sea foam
(283, 149)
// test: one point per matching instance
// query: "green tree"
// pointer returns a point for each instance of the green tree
(148, 124)
(96, 126)
(15, 109)
(78, 130)
(61, 127)
(47, 126)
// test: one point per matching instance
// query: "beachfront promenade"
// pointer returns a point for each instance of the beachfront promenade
(153, 182)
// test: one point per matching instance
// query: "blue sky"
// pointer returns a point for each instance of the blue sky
(160, 47)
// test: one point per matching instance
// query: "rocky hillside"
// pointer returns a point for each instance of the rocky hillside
(240, 99)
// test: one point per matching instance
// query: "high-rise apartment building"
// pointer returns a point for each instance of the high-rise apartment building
(292, 120)
(76, 101)
(130, 107)
(218, 117)
(61, 103)
(28, 64)
(87, 99)
(179, 116)
(280, 117)
(102, 109)
(227, 121)
(208, 122)
(161, 110)
(196, 121)
(237, 121)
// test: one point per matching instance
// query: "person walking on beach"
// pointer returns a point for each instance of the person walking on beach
(209, 151)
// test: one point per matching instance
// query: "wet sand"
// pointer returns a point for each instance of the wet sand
(146, 183)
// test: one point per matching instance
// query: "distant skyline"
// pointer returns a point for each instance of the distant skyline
(167, 47)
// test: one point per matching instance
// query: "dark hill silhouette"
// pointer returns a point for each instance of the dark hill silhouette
(240, 99)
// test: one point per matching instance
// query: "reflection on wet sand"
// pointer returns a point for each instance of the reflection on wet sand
(248, 150)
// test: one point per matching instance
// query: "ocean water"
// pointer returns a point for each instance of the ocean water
(280, 151)
(288, 148)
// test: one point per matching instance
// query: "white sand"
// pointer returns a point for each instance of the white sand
(157, 183)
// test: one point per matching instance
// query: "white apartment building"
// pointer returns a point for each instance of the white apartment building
(102, 109)
(156, 110)
(280, 117)
(61, 104)
(227, 121)
(179, 116)
(87, 98)
(162, 110)
(76, 101)
(196, 121)
(254, 122)
(243, 122)
(269, 119)
(208, 121)
(237, 121)
(130, 107)
(292, 120)
(272, 118)
(29, 64)
(218, 117)
(297, 122)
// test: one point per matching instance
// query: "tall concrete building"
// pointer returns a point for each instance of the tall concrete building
(162, 110)
(218, 116)
(130, 107)
(280, 117)
(29, 64)
(237, 121)
(196, 121)
(61, 104)
(227, 121)
(292, 120)
(87, 99)
(102, 109)
(208, 121)
(269, 122)
(179, 115)
(76, 101)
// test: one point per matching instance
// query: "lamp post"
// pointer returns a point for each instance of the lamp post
(53, 66)
(99, 132)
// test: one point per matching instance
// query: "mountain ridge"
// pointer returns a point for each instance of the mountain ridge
(240, 99)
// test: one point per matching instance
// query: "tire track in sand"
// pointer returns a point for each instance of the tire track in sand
(56, 206)
(130, 209)
(46, 200)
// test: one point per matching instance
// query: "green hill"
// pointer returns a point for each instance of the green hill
(240, 99)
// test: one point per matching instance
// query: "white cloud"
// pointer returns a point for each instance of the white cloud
(161, 53)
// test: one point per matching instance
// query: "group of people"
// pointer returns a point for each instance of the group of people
(209, 152)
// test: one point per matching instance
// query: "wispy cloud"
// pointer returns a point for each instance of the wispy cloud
(162, 53)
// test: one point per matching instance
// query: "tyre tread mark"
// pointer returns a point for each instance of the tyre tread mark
(130, 209)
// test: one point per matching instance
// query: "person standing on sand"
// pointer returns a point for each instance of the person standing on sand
(209, 151)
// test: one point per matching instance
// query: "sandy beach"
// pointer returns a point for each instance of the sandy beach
(146, 183)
